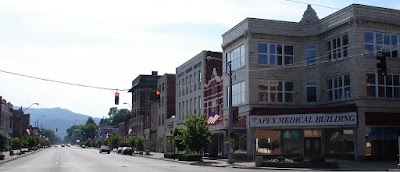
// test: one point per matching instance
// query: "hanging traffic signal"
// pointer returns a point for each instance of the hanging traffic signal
(56, 129)
(158, 93)
(116, 98)
(381, 65)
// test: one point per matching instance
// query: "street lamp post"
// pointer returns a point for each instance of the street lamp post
(230, 111)
(37, 121)
(20, 125)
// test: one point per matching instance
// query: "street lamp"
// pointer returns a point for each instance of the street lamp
(37, 121)
(128, 104)
(230, 114)
(20, 125)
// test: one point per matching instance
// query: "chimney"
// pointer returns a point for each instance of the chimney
(154, 73)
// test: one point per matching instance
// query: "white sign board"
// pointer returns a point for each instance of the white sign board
(301, 120)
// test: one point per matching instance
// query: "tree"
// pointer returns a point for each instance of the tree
(15, 143)
(197, 135)
(178, 138)
(114, 140)
(90, 121)
(53, 138)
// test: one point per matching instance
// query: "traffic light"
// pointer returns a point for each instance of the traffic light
(235, 111)
(56, 129)
(116, 98)
(158, 93)
(381, 65)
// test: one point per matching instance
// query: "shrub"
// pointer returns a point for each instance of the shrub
(317, 159)
(171, 155)
(280, 158)
(2, 157)
(189, 157)
(297, 159)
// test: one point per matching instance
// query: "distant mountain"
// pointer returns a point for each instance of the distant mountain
(59, 118)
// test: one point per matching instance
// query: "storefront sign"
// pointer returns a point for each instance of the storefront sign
(299, 120)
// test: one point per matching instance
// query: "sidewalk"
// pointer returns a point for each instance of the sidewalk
(343, 165)
(8, 158)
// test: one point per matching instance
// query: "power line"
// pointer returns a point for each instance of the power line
(62, 82)
(301, 2)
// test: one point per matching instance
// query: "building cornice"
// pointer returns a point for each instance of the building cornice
(235, 41)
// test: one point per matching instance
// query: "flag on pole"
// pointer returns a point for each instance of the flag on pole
(212, 118)
(28, 131)
(107, 136)
(129, 131)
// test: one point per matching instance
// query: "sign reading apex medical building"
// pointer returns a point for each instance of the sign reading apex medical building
(300, 120)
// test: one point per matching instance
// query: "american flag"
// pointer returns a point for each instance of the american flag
(129, 131)
(107, 136)
(212, 118)
(28, 131)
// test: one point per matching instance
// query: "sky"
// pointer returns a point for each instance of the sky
(107, 44)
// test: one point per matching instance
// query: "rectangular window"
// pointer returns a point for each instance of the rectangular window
(338, 88)
(199, 86)
(236, 57)
(311, 55)
(238, 94)
(195, 80)
(191, 83)
(385, 87)
(275, 91)
(337, 48)
(275, 54)
(311, 87)
(375, 41)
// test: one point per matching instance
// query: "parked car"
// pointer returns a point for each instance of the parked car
(83, 146)
(127, 151)
(119, 150)
(104, 148)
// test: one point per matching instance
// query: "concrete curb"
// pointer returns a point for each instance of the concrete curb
(17, 157)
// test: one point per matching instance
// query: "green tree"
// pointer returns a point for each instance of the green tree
(90, 121)
(132, 141)
(197, 135)
(53, 138)
(89, 130)
(178, 138)
(114, 140)
(15, 143)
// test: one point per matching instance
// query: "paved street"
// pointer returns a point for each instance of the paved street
(75, 159)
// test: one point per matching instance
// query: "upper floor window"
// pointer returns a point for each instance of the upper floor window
(236, 58)
(275, 54)
(311, 91)
(383, 86)
(238, 93)
(275, 91)
(311, 55)
(191, 83)
(337, 48)
(199, 86)
(377, 41)
(338, 88)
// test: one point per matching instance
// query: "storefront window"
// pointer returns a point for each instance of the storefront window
(268, 142)
(381, 141)
(339, 141)
(239, 144)
(291, 142)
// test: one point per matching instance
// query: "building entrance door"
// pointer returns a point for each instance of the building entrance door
(312, 146)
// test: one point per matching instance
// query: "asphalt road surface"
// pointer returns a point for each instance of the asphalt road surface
(76, 159)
